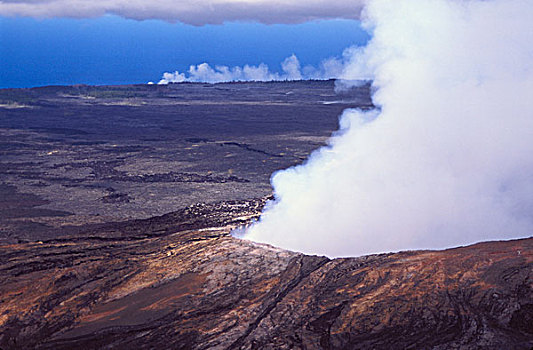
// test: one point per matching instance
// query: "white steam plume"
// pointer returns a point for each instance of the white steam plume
(445, 160)
(330, 68)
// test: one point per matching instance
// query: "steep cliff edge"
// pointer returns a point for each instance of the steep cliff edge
(181, 281)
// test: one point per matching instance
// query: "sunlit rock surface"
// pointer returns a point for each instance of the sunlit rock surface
(78, 164)
(180, 281)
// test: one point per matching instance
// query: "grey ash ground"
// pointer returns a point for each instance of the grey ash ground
(83, 154)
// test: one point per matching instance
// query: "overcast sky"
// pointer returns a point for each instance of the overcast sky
(189, 11)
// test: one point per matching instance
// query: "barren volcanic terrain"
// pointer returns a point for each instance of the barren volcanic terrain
(180, 281)
(116, 207)
(81, 154)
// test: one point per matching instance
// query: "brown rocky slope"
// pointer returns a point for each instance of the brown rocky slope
(180, 281)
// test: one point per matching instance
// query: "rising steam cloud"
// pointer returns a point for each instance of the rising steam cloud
(291, 69)
(445, 159)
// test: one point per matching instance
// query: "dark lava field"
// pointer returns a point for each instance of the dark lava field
(117, 205)
(82, 154)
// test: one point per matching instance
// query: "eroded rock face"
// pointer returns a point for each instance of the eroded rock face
(181, 281)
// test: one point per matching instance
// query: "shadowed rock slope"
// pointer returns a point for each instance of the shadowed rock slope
(180, 281)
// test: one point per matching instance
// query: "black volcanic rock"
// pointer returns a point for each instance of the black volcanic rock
(78, 154)
(185, 283)
(102, 246)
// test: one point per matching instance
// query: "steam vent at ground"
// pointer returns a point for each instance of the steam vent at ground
(117, 205)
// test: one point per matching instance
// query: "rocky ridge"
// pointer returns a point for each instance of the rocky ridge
(181, 281)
